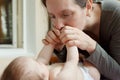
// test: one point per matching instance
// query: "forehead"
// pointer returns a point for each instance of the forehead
(60, 5)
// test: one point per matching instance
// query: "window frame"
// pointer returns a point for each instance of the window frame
(29, 45)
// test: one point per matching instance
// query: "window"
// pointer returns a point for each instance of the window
(8, 23)
(29, 24)
(15, 30)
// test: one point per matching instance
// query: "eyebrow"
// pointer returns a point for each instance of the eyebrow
(67, 10)
(63, 11)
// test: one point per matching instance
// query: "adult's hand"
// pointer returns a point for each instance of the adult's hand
(73, 36)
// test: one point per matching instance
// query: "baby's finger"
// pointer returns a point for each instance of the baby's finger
(45, 42)
(52, 35)
(56, 31)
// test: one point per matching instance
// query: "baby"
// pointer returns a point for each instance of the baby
(24, 68)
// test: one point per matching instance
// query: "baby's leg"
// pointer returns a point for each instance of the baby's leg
(70, 70)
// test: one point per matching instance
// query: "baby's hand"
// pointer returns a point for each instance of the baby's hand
(52, 38)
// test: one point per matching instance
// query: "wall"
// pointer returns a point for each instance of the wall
(41, 23)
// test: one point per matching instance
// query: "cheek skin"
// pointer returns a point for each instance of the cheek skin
(78, 22)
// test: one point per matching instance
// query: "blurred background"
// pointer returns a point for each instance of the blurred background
(23, 24)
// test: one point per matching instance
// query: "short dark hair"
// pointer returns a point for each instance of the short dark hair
(44, 2)
(81, 3)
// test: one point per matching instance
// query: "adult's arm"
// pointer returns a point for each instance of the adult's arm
(108, 62)
(105, 63)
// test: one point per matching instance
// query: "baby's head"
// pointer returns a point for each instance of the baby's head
(23, 68)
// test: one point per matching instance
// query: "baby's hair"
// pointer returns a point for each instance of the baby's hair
(16, 70)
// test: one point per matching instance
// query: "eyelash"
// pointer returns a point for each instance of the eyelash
(64, 16)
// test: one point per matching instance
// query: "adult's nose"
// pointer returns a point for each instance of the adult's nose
(59, 24)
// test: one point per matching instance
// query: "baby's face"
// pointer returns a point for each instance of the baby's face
(35, 71)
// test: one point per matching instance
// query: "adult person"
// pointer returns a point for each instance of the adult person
(24, 68)
(92, 27)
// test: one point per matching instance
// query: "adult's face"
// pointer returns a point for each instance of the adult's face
(66, 13)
